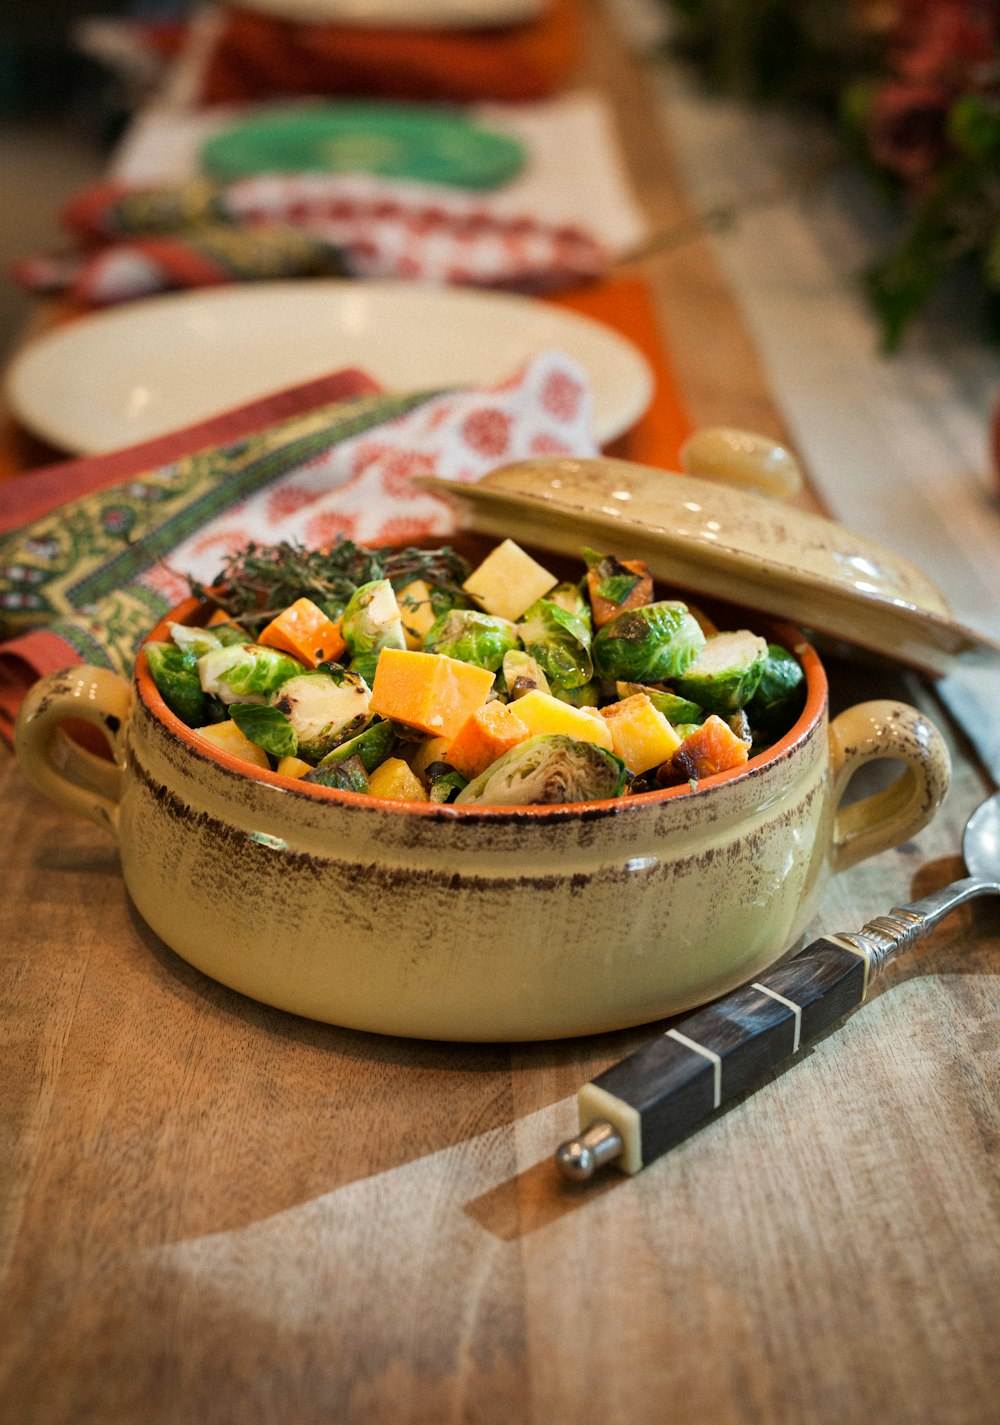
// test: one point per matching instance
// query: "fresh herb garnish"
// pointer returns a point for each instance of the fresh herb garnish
(260, 580)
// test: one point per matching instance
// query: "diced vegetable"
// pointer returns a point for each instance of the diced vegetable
(430, 749)
(428, 691)
(175, 673)
(712, 747)
(547, 770)
(560, 641)
(293, 767)
(491, 730)
(640, 735)
(304, 630)
(651, 644)
(395, 782)
(228, 737)
(675, 709)
(726, 672)
(245, 672)
(508, 581)
(543, 713)
(268, 727)
(472, 637)
(324, 706)
(615, 585)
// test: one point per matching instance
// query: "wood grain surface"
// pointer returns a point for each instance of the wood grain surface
(215, 1212)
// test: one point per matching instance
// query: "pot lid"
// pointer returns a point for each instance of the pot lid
(726, 543)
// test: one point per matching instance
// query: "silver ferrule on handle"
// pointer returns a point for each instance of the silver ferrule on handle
(888, 936)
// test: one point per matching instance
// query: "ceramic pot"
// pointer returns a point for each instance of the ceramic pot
(464, 923)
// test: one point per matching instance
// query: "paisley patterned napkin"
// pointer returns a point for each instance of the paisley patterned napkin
(84, 580)
(269, 226)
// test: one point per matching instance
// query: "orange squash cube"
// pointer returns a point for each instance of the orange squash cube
(713, 747)
(428, 691)
(304, 631)
(491, 731)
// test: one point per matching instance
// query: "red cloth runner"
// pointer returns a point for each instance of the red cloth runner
(255, 56)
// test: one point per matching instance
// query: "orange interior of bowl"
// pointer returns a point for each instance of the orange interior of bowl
(194, 611)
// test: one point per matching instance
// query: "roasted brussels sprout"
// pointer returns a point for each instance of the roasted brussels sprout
(472, 636)
(325, 706)
(198, 641)
(175, 673)
(560, 641)
(546, 770)
(349, 775)
(245, 672)
(650, 644)
(725, 675)
(372, 619)
(521, 673)
(444, 782)
(780, 692)
(373, 746)
(267, 727)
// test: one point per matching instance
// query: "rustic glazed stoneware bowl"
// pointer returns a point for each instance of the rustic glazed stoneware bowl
(465, 923)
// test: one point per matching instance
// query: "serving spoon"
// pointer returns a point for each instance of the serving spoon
(643, 1105)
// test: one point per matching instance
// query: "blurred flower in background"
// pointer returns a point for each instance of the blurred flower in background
(914, 86)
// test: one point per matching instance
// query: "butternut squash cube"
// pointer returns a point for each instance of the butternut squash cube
(428, 691)
(491, 731)
(229, 737)
(393, 781)
(509, 581)
(304, 631)
(415, 607)
(713, 747)
(543, 713)
(293, 767)
(640, 735)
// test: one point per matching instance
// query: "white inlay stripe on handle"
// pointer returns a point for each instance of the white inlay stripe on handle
(714, 1059)
(795, 1008)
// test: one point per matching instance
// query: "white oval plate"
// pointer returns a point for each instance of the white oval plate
(403, 14)
(138, 371)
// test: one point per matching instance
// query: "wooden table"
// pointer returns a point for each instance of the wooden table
(216, 1212)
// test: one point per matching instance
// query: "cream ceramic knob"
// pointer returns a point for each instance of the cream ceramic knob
(742, 458)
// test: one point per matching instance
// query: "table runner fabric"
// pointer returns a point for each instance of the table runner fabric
(87, 578)
(249, 55)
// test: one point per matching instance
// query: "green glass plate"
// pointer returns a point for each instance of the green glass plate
(395, 141)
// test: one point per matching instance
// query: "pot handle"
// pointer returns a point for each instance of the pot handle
(75, 778)
(870, 732)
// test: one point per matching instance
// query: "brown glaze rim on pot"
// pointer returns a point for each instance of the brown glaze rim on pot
(789, 636)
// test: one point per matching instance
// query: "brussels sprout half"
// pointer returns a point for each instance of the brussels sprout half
(245, 672)
(649, 644)
(267, 727)
(372, 746)
(725, 675)
(175, 673)
(547, 770)
(780, 693)
(472, 636)
(560, 641)
(325, 706)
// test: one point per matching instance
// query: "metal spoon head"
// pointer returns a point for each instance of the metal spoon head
(981, 840)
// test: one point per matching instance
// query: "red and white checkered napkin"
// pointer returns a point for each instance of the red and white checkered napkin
(289, 225)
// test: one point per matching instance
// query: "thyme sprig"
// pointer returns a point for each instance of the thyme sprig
(260, 580)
